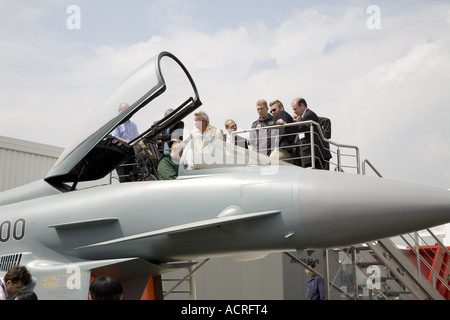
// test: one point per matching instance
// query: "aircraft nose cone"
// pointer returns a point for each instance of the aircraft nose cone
(339, 209)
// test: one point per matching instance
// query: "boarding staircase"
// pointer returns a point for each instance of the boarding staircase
(410, 267)
(408, 273)
(402, 268)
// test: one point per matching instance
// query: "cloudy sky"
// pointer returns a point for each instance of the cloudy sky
(380, 70)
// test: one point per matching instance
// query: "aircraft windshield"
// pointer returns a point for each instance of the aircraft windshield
(205, 153)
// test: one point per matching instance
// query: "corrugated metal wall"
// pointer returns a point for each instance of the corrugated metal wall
(22, 162)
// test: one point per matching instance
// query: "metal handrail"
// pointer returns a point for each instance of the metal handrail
(438, 241)
(371, 166)
(312, 133)
(429, 267)
(180, 281)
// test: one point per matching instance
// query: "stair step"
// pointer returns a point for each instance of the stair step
(363, 264)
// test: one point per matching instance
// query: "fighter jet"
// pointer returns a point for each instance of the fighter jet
(226, 200)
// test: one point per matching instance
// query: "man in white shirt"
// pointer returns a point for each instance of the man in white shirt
(204, 128)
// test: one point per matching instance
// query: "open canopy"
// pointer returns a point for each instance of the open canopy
(160, 84)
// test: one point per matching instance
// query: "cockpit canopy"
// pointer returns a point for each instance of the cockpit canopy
(94, 152)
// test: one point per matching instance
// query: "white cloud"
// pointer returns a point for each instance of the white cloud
(422, 59)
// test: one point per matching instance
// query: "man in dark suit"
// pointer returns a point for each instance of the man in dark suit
(321, 154)
(285, 141)
(325, 123)
(315, 288)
